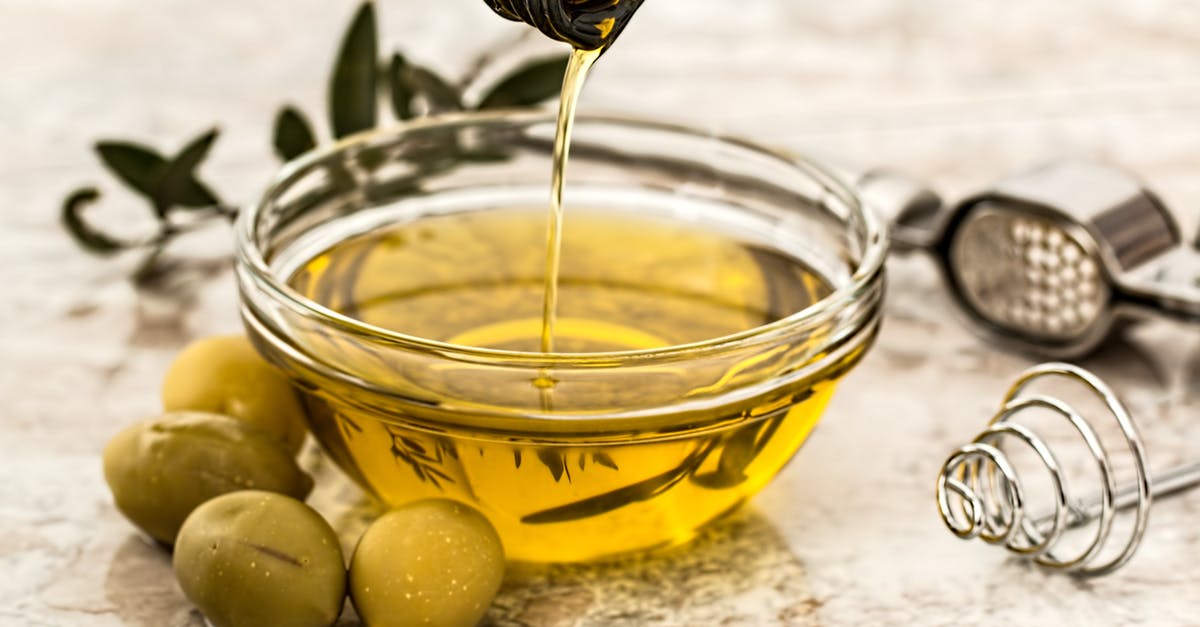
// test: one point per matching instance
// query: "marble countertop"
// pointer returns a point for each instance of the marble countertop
(956, 93)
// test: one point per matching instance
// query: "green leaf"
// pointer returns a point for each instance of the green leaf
(527, 86)
(164, 183)
(410, 82)
(401, 87)
(90, 238)
(438, 94)
(140, 167)
(293, 134)
(179, 185)
(352, 89)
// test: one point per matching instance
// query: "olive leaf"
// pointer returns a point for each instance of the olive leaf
(90, 238)
(139, 167)
(411, 83)
(438, 95)
(171, 183)
(529, 85)
(179, 186)
(400, 87)
(166, 184)
(352, 89)
(293, 134)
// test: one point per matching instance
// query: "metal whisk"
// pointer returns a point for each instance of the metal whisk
(1049, 260)
(980, 493)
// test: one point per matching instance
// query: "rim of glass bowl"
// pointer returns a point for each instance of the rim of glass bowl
(867, 271)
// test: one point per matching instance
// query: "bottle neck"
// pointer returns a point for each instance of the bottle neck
(585, 24)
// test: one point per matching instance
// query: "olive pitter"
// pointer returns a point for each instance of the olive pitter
(1050, 260)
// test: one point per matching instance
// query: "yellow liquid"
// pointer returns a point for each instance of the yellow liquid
(606, 280)
(628, 281)
(576, 75)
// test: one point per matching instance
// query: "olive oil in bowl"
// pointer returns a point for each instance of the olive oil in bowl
(703, 318)
(627, 283)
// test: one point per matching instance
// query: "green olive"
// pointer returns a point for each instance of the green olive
(225, 375)
(160, 469)
(254, 558)
(434, 562)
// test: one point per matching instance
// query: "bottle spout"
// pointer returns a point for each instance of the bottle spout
(585, 24)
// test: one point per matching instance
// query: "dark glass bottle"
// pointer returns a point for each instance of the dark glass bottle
(585, 24)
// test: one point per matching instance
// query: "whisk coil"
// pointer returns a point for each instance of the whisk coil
(991, 498)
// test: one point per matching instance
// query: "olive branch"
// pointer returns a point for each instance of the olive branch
(179, 199)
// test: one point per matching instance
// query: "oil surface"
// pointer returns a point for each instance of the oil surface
(627, 282)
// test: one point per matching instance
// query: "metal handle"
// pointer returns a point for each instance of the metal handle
(912, 211)
(1168, 285)
(1169, 483)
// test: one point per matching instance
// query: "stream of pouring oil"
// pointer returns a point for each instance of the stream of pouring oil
(577, 70)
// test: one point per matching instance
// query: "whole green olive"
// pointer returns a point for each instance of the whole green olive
(253, 558)
(160, 469)
(225, 375)
(435, 563)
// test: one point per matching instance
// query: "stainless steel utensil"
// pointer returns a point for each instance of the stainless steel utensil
(981, 494)
(1049, 260)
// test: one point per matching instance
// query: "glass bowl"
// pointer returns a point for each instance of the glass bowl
(645, 443)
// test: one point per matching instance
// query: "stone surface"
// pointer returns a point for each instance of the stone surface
(957, 93)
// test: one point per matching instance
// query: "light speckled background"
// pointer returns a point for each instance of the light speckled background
(955, 92)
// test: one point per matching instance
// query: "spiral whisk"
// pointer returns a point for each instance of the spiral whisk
(981, 494)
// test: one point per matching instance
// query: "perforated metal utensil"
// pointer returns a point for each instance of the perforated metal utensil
(981, 494)
(1049, 260)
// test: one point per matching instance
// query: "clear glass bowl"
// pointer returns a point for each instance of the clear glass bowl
(657, 442)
